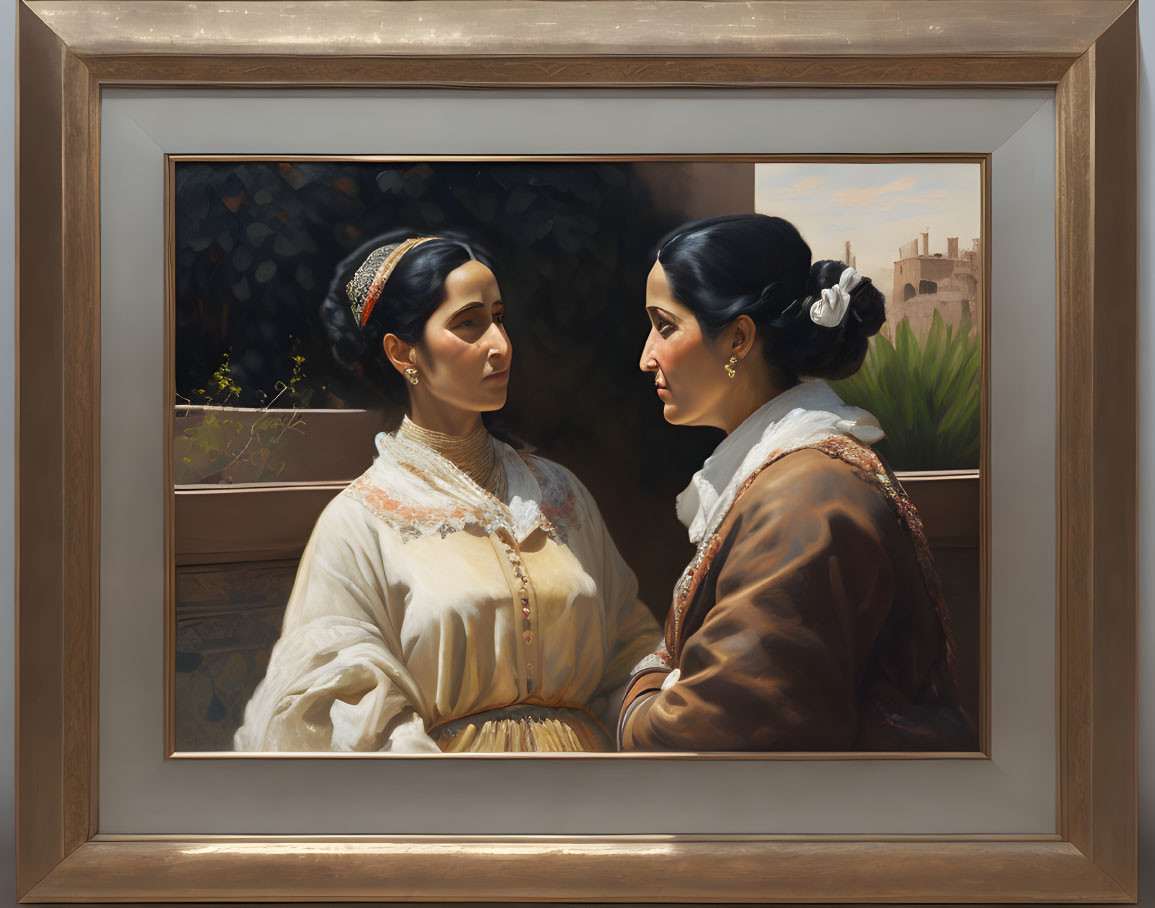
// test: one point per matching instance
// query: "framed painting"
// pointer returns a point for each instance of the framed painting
(146, 594)
(269, 426)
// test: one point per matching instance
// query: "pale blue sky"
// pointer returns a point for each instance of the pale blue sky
(878, 207)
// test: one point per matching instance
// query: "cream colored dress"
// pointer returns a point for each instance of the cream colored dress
(429, 614)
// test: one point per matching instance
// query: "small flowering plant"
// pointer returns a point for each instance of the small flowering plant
(219, 442)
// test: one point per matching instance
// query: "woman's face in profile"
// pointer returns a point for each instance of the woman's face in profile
(464, 354)
(688, 369)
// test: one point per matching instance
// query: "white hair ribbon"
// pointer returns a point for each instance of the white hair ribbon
(830, 308)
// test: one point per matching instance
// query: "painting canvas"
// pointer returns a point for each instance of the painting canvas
(348, 579)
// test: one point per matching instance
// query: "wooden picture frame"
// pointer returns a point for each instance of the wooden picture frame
(69, 50)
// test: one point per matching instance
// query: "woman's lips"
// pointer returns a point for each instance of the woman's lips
(497, 376)
(664, 393)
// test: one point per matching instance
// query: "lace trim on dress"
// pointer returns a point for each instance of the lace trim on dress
(418, 493)
(558, 503)
(687, 587)
(414, 522)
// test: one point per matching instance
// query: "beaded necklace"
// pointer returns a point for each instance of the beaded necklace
(474, 454)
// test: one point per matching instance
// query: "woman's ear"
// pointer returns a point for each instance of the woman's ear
(400, 354)
(744, 331)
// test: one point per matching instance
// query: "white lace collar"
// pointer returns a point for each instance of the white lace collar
(434, 487)
(803, 415)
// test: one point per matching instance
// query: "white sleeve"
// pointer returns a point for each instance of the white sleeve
(336, 680)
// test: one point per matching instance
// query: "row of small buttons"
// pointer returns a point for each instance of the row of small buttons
(523, 597)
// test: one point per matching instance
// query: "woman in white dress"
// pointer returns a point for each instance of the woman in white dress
(460, 595)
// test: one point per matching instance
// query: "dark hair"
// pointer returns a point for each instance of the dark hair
(759, 266)
(415, 288)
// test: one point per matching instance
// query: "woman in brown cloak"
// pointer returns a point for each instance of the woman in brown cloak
(811, 617)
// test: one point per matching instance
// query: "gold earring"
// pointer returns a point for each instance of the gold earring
(729, 367)
(411, 374)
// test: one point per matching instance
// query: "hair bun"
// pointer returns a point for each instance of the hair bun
(835, 351)
(868, 306)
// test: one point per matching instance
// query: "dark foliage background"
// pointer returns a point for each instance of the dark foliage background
(256, 245)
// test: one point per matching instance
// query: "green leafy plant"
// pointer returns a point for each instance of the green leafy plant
(926, 396)
(229, 443)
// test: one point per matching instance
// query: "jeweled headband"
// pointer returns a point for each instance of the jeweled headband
(369, 280)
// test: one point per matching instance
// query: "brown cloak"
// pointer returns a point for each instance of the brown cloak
(811, 621)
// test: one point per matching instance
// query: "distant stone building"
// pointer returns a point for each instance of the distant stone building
(950, 283)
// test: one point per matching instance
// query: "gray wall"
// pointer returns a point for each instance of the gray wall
(1146, 434)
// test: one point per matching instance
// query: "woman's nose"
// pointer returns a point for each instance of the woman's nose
(647, 363)
(499, 342)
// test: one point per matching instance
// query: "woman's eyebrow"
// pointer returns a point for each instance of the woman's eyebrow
(669, 316)
(466, 308)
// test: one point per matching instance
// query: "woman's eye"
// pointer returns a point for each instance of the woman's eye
(499, 317)
(665, 328)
